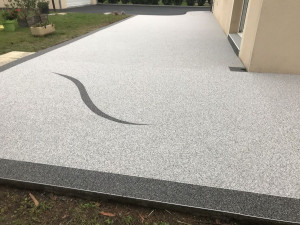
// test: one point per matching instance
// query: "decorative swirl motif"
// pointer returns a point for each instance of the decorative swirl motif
(89, 103)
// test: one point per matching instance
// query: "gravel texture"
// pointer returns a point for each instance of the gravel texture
(205, 125)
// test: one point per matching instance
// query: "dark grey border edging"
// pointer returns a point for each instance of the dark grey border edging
(243, 206)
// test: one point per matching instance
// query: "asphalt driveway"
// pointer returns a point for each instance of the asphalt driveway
(136, 9)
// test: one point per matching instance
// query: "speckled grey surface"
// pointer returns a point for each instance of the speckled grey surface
(207, 126)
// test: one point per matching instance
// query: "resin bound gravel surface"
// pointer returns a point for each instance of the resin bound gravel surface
(152, 97)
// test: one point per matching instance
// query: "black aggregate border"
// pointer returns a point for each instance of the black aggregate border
(243, 206)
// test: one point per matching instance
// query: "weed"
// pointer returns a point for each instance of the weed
(128, 220)
(88, 205)
(109, 221)
(44, 206)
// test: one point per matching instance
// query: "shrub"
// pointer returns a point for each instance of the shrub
(43, 7)
(113, 1)
(210, 2)
(201, 2)
(26, 7)
(190, 2)
(42, 24)
(155, 2)
(167, 2)
(101, 1)
(124, 1)
(10, 14)
(177, 2)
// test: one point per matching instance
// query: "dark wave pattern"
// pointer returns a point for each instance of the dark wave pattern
(89, 103)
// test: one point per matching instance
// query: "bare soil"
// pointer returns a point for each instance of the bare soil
(24, 207)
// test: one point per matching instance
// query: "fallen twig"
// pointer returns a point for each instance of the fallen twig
(150, 213)
(107, 214)
(168, 211)
(142, 218)
(35, 201)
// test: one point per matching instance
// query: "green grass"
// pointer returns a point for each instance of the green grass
(67, 27)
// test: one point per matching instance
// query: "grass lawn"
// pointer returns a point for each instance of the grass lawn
(67, 27)
(17, 207)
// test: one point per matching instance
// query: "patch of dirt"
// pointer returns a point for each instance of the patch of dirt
(24, 207)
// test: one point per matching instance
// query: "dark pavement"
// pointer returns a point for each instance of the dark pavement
(136, 9)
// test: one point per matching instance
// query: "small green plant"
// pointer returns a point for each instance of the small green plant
(109, 221)
(128, 220)
(42, 24)
(2, 210)
(43, 207)
(88, 205)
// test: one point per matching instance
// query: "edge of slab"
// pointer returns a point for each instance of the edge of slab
(243, 206)
(198, 8)
(44, 51)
